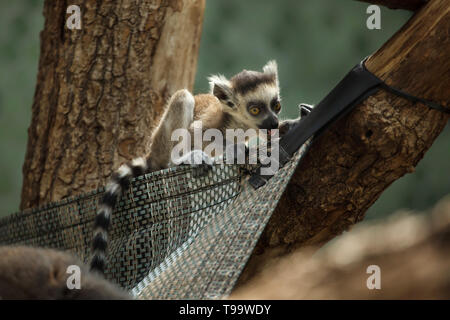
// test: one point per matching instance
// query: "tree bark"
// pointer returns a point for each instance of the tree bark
(359, 156)
(412, 5)
(100, 89)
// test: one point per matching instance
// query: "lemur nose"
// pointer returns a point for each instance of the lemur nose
(269, 124)
(275, 124)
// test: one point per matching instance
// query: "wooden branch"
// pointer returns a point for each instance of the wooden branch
(412, 5)
(359, 156)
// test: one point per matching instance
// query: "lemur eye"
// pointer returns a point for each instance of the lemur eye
(254, 110)
(277, 107)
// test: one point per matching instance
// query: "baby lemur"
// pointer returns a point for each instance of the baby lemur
(249, 100)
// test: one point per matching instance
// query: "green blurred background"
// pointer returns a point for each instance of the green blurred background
(315, 42)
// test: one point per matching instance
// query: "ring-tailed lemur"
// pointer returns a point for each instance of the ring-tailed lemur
(249, 100)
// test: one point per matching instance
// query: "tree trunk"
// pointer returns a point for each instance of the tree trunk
(358, 157)
(100, 89)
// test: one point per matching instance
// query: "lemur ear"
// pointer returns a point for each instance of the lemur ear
(221, 88)
(271, 67)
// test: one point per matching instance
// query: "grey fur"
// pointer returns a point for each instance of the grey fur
(36, 273)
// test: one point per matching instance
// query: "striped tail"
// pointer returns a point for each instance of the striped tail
(120, 181)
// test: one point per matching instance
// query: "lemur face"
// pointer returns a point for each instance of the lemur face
(250, 96)
(260, 106)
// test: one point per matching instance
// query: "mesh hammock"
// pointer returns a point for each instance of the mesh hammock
(172, 236)
(176, 236)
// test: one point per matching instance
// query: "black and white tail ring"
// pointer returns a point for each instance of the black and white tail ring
(119, 182)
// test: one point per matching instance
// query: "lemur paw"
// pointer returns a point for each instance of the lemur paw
(303, 110)
(200, 162)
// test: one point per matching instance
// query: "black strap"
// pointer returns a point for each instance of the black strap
(428, 103)
(356, 86)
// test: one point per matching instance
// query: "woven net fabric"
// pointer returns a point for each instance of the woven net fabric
(173, 235)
